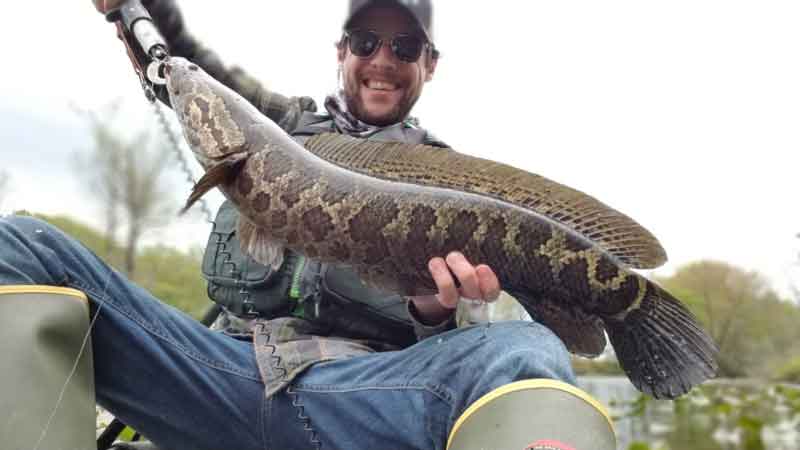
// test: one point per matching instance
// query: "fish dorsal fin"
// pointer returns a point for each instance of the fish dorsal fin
(613, 231)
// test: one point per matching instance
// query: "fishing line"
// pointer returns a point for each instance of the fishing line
(72, 372)
(183, 164)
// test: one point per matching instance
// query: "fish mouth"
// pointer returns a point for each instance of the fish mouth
(177, 71)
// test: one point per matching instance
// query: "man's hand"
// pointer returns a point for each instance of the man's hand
(104, 6)
(476, 282)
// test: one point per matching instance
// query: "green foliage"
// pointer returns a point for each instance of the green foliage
(169, 274)
(174, 277)
(586, 366)
(740, 410)
(754, 329)
(789, 372)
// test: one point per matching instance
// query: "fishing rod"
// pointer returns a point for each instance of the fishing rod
(143, 42)
(148, 51)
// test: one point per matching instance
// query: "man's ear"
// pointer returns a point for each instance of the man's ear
(341, 51)
(431, 63)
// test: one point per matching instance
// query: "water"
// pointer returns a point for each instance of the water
(718, 416)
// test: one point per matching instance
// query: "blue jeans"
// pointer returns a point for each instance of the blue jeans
(187, 387)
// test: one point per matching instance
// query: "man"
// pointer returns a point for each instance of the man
(322, 361)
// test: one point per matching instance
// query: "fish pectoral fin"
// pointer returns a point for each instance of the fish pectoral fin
(223, 173)
(259, 245)
(582, 333)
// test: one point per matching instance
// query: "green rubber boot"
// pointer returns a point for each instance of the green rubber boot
(534, 415)
(42, 333)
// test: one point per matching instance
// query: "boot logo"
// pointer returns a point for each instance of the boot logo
(546, 444)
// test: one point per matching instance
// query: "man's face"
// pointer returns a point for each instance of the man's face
(381, 89)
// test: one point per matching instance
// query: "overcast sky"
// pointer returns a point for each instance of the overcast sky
(684, 115)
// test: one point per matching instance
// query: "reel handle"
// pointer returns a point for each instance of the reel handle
(136, 21)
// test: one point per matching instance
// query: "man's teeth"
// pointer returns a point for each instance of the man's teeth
(381, 85)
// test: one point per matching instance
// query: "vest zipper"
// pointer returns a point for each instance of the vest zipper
(295, 289)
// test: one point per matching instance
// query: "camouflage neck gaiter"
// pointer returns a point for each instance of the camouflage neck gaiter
(347, 123)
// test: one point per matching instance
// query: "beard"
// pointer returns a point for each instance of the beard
(357, 106)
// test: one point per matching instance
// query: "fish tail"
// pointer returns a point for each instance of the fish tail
(223, 173)
(660, 345)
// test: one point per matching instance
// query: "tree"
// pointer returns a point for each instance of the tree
(126, 178)
(754, 329)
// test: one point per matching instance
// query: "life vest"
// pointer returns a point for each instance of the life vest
(327, 294)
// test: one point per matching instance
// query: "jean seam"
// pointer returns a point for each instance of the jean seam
(439, 392)
(429, 421)
(152, 330)
(262, 421)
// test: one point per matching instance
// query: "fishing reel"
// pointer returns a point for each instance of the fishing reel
(146, 47)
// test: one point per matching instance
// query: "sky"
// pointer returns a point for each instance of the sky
(685, 115)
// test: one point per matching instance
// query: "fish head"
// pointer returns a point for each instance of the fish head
(207, 111)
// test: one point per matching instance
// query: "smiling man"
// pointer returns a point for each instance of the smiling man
(382, 82)
(309, 357)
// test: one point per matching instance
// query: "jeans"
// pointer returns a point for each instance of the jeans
(187, 387)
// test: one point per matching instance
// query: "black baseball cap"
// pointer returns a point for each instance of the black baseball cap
(421, 10)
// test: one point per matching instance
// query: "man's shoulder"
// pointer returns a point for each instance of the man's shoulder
(311, 123)
(424, 135)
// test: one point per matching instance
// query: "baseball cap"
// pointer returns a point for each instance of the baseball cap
(421, 10)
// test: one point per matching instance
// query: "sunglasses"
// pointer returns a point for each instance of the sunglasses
(406, 47)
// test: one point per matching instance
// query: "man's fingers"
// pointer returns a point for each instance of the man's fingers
(466, 274)
(489, 284)
(477, 283)
(448, 292)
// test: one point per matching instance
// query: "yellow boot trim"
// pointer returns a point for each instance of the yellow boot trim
(42, 289)
(538, 383)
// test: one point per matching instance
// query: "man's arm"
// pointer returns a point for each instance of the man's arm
(285, 111)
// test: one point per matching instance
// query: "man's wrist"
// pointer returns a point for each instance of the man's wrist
(429, 311)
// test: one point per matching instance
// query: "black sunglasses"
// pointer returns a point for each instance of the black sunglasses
(406, 47)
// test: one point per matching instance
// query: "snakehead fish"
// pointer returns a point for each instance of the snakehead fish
(385, 209)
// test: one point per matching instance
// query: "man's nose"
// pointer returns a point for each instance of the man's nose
(384, 57)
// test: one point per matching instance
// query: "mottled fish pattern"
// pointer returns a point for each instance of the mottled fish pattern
(386, 208)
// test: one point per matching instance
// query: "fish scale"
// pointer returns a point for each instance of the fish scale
(385, 209)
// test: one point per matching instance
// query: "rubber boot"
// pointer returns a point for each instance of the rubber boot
(534, 414)
(43, 344)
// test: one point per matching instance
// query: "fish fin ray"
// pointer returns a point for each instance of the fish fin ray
(259, 245)
(222, 173)
(611, 230)
(661, 347)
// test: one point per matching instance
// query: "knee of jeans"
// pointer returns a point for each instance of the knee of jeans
(27, 252)
(24, 232)
(517, 350)
(25, 224)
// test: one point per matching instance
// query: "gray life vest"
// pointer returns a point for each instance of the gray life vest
(327, 294)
